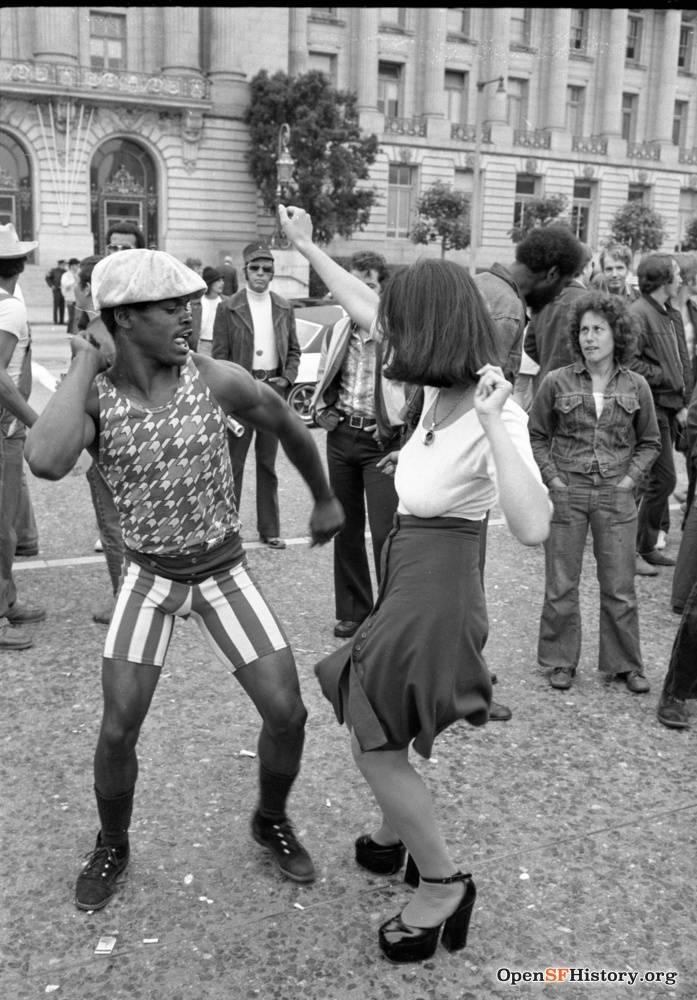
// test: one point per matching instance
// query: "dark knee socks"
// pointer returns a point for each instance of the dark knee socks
(115, 817)
(274, 789)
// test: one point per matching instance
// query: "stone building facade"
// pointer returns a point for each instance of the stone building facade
(113, 113)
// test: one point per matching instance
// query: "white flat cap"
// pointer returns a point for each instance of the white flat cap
(142, 276)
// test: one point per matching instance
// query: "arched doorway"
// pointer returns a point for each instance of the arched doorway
(16, 204)
(123, 188)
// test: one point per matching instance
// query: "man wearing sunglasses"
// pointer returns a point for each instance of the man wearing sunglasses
(255, 328)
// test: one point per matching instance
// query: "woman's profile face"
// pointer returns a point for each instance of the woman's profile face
(595, 338)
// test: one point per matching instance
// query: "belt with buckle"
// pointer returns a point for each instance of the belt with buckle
(262, 375)
(357, 422)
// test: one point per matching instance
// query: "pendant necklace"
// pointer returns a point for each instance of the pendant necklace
(430, 432)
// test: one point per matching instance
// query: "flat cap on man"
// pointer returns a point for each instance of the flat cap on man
(132, 276)
(257, 251)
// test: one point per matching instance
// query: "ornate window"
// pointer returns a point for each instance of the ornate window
(107, 41)
(15, 187)
(123, 188)
(635, 27)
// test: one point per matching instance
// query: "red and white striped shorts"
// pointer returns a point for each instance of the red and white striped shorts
(228, 607)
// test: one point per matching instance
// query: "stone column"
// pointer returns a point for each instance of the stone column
(56, 34)
(364, 63)
(493, 62)
(297, 43)
(611, 72)
(554, 73)
(433, 47)
(181, 41)
(662, 93)
(229, 91)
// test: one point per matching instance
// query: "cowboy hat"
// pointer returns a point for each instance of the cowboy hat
(11, 245)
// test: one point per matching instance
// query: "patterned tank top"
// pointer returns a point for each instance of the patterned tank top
(168, 467)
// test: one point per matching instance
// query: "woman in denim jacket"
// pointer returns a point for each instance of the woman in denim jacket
(594, 435)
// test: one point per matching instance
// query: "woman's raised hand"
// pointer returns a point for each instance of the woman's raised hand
(492, 391)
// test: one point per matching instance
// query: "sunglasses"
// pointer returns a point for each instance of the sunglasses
(266, 268)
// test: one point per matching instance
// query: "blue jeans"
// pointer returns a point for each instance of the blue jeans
(108, 524)
(610, 512)
(681, 678)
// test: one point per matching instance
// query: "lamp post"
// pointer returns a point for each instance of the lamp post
(475, 203)
(285, 165)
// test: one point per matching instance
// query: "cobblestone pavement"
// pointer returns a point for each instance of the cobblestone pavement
(577, 817)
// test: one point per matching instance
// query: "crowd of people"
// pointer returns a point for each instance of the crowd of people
(555, 386)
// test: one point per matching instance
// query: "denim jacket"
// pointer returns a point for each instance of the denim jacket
(567, 436)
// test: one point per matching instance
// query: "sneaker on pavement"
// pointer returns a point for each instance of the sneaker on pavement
(13, 638)
(98, 547)
(279, 838)
(96, 883)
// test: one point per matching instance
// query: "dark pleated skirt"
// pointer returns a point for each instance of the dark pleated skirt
(416, 665)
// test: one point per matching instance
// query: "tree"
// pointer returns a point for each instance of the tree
(638, 226)
(539, 212)
(443, 215)
(331, 156)
(689, 240)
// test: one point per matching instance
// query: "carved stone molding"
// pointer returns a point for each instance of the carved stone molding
(191, 135)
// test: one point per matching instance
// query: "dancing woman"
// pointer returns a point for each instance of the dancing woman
(416, 665)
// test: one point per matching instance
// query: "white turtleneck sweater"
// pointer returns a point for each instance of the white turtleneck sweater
(265, 350)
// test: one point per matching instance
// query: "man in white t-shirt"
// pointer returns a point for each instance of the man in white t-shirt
(15, 416)
(68, 283)
(203, 310)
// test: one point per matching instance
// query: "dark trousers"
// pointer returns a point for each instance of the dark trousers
(58, 307)
(681, 678)
(265, 451)
(685, 572)
(352, 457)
(659, 485)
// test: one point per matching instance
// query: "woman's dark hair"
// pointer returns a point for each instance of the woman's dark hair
(614, 310)
(84, 273)
(436, 326)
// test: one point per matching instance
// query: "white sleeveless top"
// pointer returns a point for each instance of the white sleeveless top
(455, 475)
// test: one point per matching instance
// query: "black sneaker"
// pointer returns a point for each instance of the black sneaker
(96, 883)
(279, 838)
